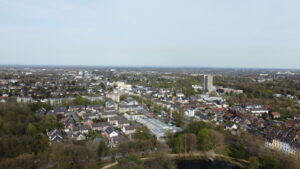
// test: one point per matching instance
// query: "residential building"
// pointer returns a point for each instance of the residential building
(208, 83)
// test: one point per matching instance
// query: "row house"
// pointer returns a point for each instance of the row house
(119, 121)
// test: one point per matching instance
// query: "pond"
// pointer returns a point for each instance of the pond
(203, 164)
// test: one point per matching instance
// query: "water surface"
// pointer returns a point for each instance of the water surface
(202, 164)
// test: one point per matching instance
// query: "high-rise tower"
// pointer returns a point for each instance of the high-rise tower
(208, 83)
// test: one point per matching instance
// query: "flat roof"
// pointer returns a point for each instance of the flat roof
(157, 127)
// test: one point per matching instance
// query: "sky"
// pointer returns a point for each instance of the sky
(189, 33)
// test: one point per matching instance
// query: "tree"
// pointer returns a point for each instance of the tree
(160, 161)
(102, 149)
(80, 101)
(191, 141)
(156, 108)
(143, 133)
(31, 129)
(100, 102)
(238, 150)
(24, 161)
(130, 162)
(253, 163)
(124, 148)
(270, 162)
(253, 143)
(195, 126)
(103, 86)
(180, 144)
(36, 106)
(213, 94)
(129, 147)
(20, 131)
(290, 162)
(123, 97)
(170, 139)
(204, 140)
(185, 143)
(49, 122)
(73, 156)
(217, 139)
(178, 117)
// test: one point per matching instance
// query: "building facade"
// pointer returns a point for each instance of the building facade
(208, 83)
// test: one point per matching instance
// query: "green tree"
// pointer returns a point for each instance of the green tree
(157, 109)
(36, 106)
(170, 139)
(185, 143)
(238, 150)
(81, 101)
(20, 134)
(191, 141)
(130, 162)
(31, 129)
(102, 85)
(178, 117)
(123, 97)
(102, 149)
(180, 144)
(73, 156)
(270, 162)
(145, 140)
(24, 161)
(195, 126)
(100, 102)
(204, 140)
(253, 163)
(49, 121)
(143, 133)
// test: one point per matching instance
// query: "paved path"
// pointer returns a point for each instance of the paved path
(198, 155)
(110, 165)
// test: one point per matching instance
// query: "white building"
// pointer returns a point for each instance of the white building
(190, 112)
(114, 96)
(110, 131)
(158, 128)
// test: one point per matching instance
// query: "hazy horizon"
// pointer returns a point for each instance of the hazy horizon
(165, 33)
(143, 67)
